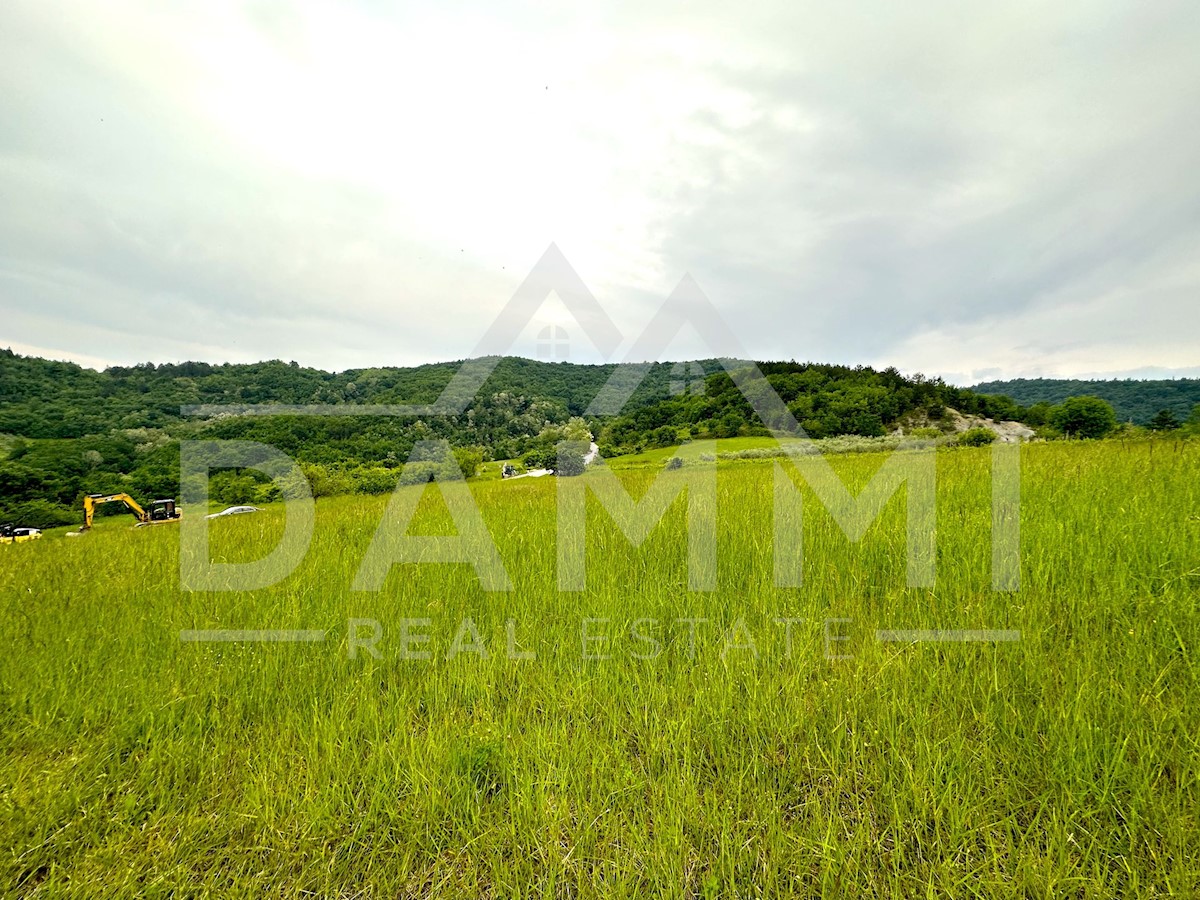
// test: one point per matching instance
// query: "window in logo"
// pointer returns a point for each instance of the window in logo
(553, 343)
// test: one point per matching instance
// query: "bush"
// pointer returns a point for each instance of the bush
(925, 433)
(374, 479)
(847, 443)
(482, 768)
(976, 437)
(424, 471)
(674, 462)
(540, 458)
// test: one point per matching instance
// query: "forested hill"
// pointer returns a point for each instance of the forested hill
(66, 430)
(40, 398)
(43, 399)
(1135, 401)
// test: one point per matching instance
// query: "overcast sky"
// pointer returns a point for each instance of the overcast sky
(970, 190)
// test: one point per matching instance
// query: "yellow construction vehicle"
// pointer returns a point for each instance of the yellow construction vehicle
(161, 511)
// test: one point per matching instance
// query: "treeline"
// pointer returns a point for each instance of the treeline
(66, 430)
(1132, 401)
(41, 398)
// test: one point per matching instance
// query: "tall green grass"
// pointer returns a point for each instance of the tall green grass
(1065, 764)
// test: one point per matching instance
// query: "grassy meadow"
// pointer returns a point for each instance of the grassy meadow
(695, 759)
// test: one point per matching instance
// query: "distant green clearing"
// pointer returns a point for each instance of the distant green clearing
(1062, 764)
(739, 448)
(691, 451)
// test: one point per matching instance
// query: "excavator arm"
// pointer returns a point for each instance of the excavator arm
(91, 501)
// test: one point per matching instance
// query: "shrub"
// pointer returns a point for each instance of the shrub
(846, 443)
(976, 437)
(674, 462)
(1038, 414)
(424, 471)
(373, 479)
(482, 768)
(925, 433)
(540, 458)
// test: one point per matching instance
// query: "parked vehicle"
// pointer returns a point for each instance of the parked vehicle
(233, 511)
(14, 534)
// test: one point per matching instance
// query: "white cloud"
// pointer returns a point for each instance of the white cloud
(347, 186)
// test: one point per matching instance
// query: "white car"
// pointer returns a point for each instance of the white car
(233, 511)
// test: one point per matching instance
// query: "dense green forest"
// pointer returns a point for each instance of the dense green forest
(67, 430)
(825, 400)
(44, 399)
(1133, 401)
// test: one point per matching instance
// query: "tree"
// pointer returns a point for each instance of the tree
(576, 430)
(231, 487)
(569, 460)
(469, 459)
(1164, 420)
(1084, 417)
(663, 437)
(1038, 414)
(1193, 422)
(326, 482)
(40, 514)
(730, 425)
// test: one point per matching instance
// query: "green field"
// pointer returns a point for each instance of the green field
(1063, 764)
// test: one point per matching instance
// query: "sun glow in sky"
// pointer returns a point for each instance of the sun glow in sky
(977, 193)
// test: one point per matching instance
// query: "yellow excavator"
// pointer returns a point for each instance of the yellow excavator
(161, 512)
